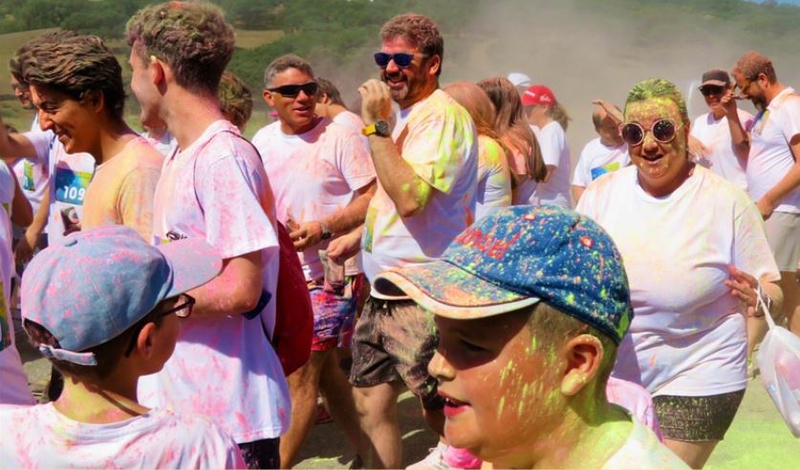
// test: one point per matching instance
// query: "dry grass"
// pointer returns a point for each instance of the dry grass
(248, 39)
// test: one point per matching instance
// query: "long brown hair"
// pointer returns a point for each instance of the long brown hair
(512, 127)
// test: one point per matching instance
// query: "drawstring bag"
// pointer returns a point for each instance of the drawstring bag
(779, 361)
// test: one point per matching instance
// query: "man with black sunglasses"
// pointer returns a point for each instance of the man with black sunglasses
(773, 168)
(720, 141)
(323, 178)
(427, 170)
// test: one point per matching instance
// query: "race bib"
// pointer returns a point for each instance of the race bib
(71, 185)
(28, 183)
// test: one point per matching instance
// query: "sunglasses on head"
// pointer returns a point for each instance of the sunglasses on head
(663, 131)
(708, 90)
(290, 91)
(401, 59)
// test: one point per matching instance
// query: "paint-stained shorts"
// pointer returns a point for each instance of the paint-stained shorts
(783, 235)
(261, 454)
(394, 340)
(334, 314)
(697, 419)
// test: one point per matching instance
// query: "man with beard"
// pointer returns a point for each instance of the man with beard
(773, 168)
(427, 170)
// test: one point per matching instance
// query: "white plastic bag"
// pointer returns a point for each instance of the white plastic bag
(779, 361)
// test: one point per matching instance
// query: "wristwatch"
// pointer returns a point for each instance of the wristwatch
(326, 233)
(381, 128)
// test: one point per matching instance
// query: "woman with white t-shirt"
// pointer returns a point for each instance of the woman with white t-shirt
(522, 149)
(494, 178)
(695, 253)
(549, 122)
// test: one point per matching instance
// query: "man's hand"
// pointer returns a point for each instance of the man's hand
(765, 207)
(306, 235)
(345, 247)
(696, 148)
(376, 101)
(728, 103)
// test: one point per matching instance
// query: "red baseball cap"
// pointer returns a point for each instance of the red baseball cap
(538, 94)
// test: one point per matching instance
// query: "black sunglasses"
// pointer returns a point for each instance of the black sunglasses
(401, 59)
(290, 91)
(707, 90)
(663, 130)
(182, 310)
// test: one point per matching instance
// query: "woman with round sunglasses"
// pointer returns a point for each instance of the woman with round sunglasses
(696, 256)
(514, 133)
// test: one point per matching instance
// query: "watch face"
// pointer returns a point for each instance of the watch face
(382, 128)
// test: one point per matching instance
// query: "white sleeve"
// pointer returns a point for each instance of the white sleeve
(40, 140)
(551, 141)
(582, 177)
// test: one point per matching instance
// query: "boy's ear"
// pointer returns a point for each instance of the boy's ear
(583, 355)
(147, 340)
(95, 99)
(159, 72)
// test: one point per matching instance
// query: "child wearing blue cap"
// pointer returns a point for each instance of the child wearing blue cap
(104, 307)
(531, 304)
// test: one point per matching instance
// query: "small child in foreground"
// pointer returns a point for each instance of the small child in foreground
(531, 304)
(104, 307)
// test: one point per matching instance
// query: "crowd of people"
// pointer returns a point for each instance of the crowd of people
(439, 251)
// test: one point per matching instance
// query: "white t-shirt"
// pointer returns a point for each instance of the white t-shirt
(643, 450)
(313, 176)
(597, 159)
(442, 148)
(688, 330)
(14, 388)
(354, 122)
(555, 151)
(71, 175)
(770, 155)
(41, 437)
(34, 173)
(165, 145)
(222, 367)
(494, 177)
(716, 137)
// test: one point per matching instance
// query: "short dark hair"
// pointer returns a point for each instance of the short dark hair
(235, 99)
(329, 89)
(50, 37)
(76, 66)
(107, 354)
(193, 38)
(551, 327)
(286, 62)
(419, 30)
(753, 63)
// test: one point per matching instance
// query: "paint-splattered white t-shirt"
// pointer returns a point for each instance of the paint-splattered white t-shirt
(555, 151)
(442, 148)
(597, 159)
(494, 177)
(715, 134)
(41, 437)
(313, 175)
(223, 367)
(643, 450)
(13, 383)
(688, 335)
(770, 155)
(33, 174)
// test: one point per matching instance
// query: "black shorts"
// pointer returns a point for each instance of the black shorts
(697, 419)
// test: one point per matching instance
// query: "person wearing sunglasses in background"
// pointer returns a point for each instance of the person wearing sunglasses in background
(773, 169)
(427, 170)
(696, 253)
(323, 178)
(126, 301)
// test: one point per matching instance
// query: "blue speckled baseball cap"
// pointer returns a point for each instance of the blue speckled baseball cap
(519, 256)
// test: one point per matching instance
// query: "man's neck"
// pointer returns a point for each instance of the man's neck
(288, 130)
(773, 90)
(114, 136)
(188, 115)
(110, 401)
